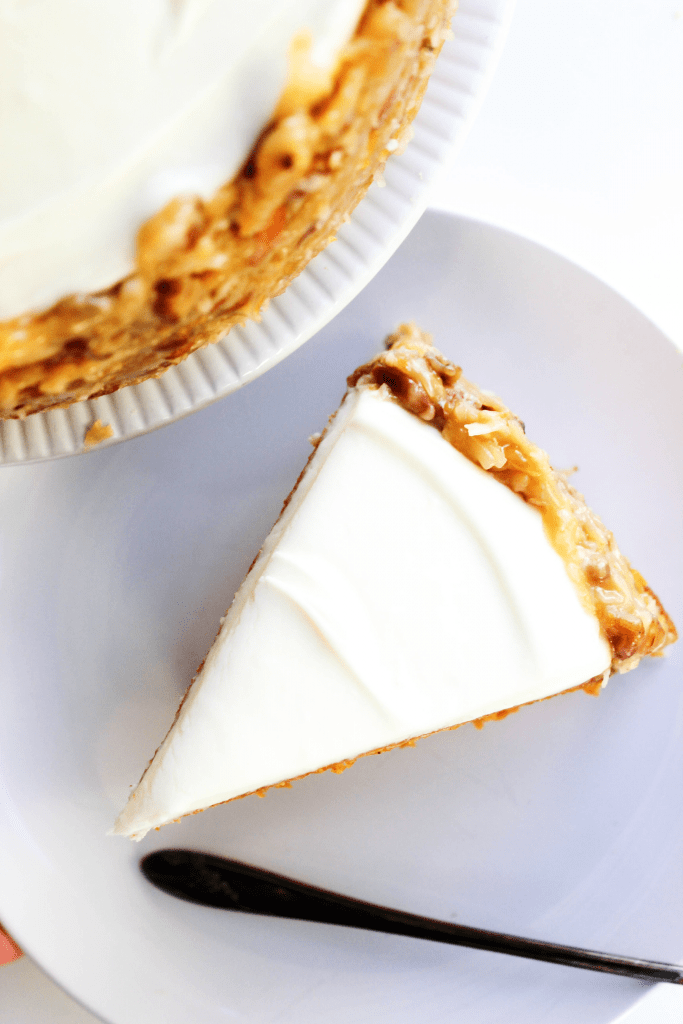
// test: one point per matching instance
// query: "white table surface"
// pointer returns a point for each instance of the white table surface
(579, 146)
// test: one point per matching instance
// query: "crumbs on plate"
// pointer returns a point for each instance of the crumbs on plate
(98, 432)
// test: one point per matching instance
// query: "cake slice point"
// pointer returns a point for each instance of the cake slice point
(410, 585)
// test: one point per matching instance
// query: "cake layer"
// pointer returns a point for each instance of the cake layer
(111, 109)
(404, 590)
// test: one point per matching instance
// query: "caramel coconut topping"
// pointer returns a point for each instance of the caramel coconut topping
(483, 429)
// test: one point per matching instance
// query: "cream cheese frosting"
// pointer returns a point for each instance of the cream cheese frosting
(110, 109)
(402, 591)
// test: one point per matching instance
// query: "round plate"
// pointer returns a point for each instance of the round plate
(561, 822)
(376, 228)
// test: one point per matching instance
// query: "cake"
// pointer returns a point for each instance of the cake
(429, 569)
(169, 166)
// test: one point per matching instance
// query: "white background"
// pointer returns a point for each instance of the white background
(579, 145)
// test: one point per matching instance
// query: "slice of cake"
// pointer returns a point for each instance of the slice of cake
(430, 568)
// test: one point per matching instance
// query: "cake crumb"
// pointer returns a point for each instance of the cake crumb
(98, 432)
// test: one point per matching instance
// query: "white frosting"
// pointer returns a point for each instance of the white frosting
(111, 108)
(403, 590)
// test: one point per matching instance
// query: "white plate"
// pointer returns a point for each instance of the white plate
(561, 822)
(377, 227)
